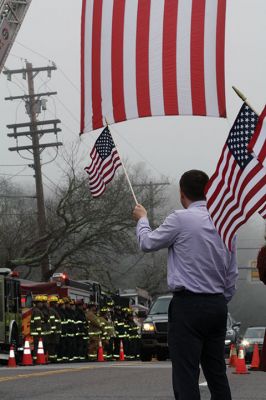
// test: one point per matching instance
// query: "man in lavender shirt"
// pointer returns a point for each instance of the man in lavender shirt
(202, 275)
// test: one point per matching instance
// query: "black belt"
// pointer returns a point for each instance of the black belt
(185, 292)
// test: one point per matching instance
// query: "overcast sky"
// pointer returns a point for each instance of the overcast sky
(169, 145)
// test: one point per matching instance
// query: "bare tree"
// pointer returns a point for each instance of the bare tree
(85, 234)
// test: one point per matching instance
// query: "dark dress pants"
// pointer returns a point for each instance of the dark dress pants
(197, 328)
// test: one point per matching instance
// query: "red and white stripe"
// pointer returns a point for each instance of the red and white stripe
(233, 194)
(151, 57)
(262, 211)
(257, 144)
(101, 172)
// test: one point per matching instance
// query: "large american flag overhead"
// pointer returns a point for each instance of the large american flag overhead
(144, 58)
(238, 187)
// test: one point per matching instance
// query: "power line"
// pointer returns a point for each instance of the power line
(13, 175)
(48, 59)
(50, 180)
(13, 165)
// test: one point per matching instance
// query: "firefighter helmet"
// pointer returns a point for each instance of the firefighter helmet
(53, 299)
(38, 298)
(61, 301)
(66, 300)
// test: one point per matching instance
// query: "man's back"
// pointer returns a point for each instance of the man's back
(197, 258)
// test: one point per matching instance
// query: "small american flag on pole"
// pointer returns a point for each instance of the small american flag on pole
(238, 187)
(105, 161)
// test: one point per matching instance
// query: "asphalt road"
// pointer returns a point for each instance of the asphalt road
(111, 381)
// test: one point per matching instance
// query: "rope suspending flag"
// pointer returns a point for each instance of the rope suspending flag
(144, 58)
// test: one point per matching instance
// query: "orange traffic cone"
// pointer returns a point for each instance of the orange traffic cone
(41, 359)
(12, 358)
(255, 363)
(241, 367)
(100, 352)
(121, 352)
(233, 356)
(27, 358)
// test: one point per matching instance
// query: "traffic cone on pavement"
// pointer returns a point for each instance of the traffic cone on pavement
(241, 367)
(12, 358)
(233, 356)
(41, 359)
(121, 352)
(100, 352)
(255, 363)
(27, 358)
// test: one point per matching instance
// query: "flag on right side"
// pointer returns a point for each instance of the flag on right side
(257, 144)
(238, 187)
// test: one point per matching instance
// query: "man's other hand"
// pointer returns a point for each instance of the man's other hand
(139, 212)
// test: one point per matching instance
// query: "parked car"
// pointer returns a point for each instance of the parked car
(155, 326)
(154, 331)
(253, 334)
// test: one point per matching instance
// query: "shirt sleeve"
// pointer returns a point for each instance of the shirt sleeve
(230, 285)
(160, 238)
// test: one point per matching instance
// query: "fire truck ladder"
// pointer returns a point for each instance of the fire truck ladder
(12, 13)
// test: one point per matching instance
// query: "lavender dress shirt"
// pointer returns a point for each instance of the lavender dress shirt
(197, 258)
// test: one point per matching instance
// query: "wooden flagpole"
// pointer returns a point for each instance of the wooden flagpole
(123, 165)
(244, 98)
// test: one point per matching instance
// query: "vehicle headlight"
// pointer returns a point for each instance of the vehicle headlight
(148, 327)
(227, 341)
(245, 343)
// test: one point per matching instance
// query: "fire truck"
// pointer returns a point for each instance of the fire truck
(16, 299)
(12, 14)
(139, 299)
(10, 313)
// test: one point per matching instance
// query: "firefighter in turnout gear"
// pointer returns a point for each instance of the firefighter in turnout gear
(62, 352)
(119, 330)
(76, 323)
(37, 323)
(82, 336)
(70, 330)
(47, 324)
(134, 338)
(94, 329)
(126, 328)
(56, 329)
(108, 333)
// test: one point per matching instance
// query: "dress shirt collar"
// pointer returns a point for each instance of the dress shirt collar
(201, 203)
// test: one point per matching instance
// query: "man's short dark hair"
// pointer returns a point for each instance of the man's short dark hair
(192, 184)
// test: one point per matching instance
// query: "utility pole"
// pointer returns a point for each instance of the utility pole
(34, 104)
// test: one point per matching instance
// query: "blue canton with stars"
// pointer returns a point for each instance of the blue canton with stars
(240, 135)
(104, 144)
